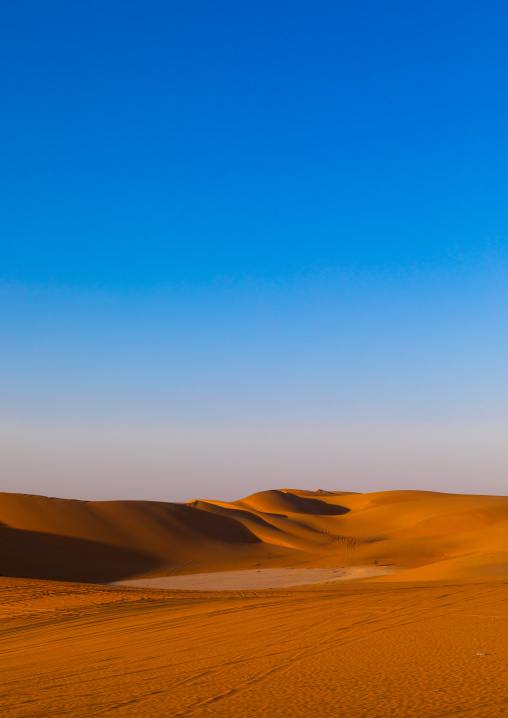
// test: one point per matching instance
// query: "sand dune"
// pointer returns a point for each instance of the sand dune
(434, 536)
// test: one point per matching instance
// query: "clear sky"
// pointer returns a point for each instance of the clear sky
(249, 245)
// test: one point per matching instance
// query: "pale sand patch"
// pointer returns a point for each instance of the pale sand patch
(257, 578)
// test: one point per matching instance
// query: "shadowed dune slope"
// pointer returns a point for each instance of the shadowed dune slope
(433, 535)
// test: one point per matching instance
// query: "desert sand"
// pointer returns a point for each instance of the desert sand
(407, 617)
(354, 650)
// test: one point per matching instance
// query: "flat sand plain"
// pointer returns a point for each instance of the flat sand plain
(258, 578)
(354, 650)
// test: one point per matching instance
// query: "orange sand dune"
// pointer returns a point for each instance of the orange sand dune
(351, 650)
(435, 535)
(420, 634)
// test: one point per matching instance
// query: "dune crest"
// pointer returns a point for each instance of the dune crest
(433, 535)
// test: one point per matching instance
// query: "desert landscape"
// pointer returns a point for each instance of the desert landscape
(284, 603)
(248, 245)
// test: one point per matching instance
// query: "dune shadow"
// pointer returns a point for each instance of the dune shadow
(215, 526)
(306, 505)
(280, 503)
(244, 514)
(34, 554)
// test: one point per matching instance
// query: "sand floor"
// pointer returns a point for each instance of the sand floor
(348, 650)
(257, 579)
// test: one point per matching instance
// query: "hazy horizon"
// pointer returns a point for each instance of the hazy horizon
(181, 464)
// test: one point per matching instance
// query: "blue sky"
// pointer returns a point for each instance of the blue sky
(232, 227)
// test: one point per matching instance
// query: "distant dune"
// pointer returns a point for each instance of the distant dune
(434, 536)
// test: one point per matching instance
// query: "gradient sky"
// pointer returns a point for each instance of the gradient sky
(253, 245)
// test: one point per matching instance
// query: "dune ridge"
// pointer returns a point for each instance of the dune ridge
(433, 535)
